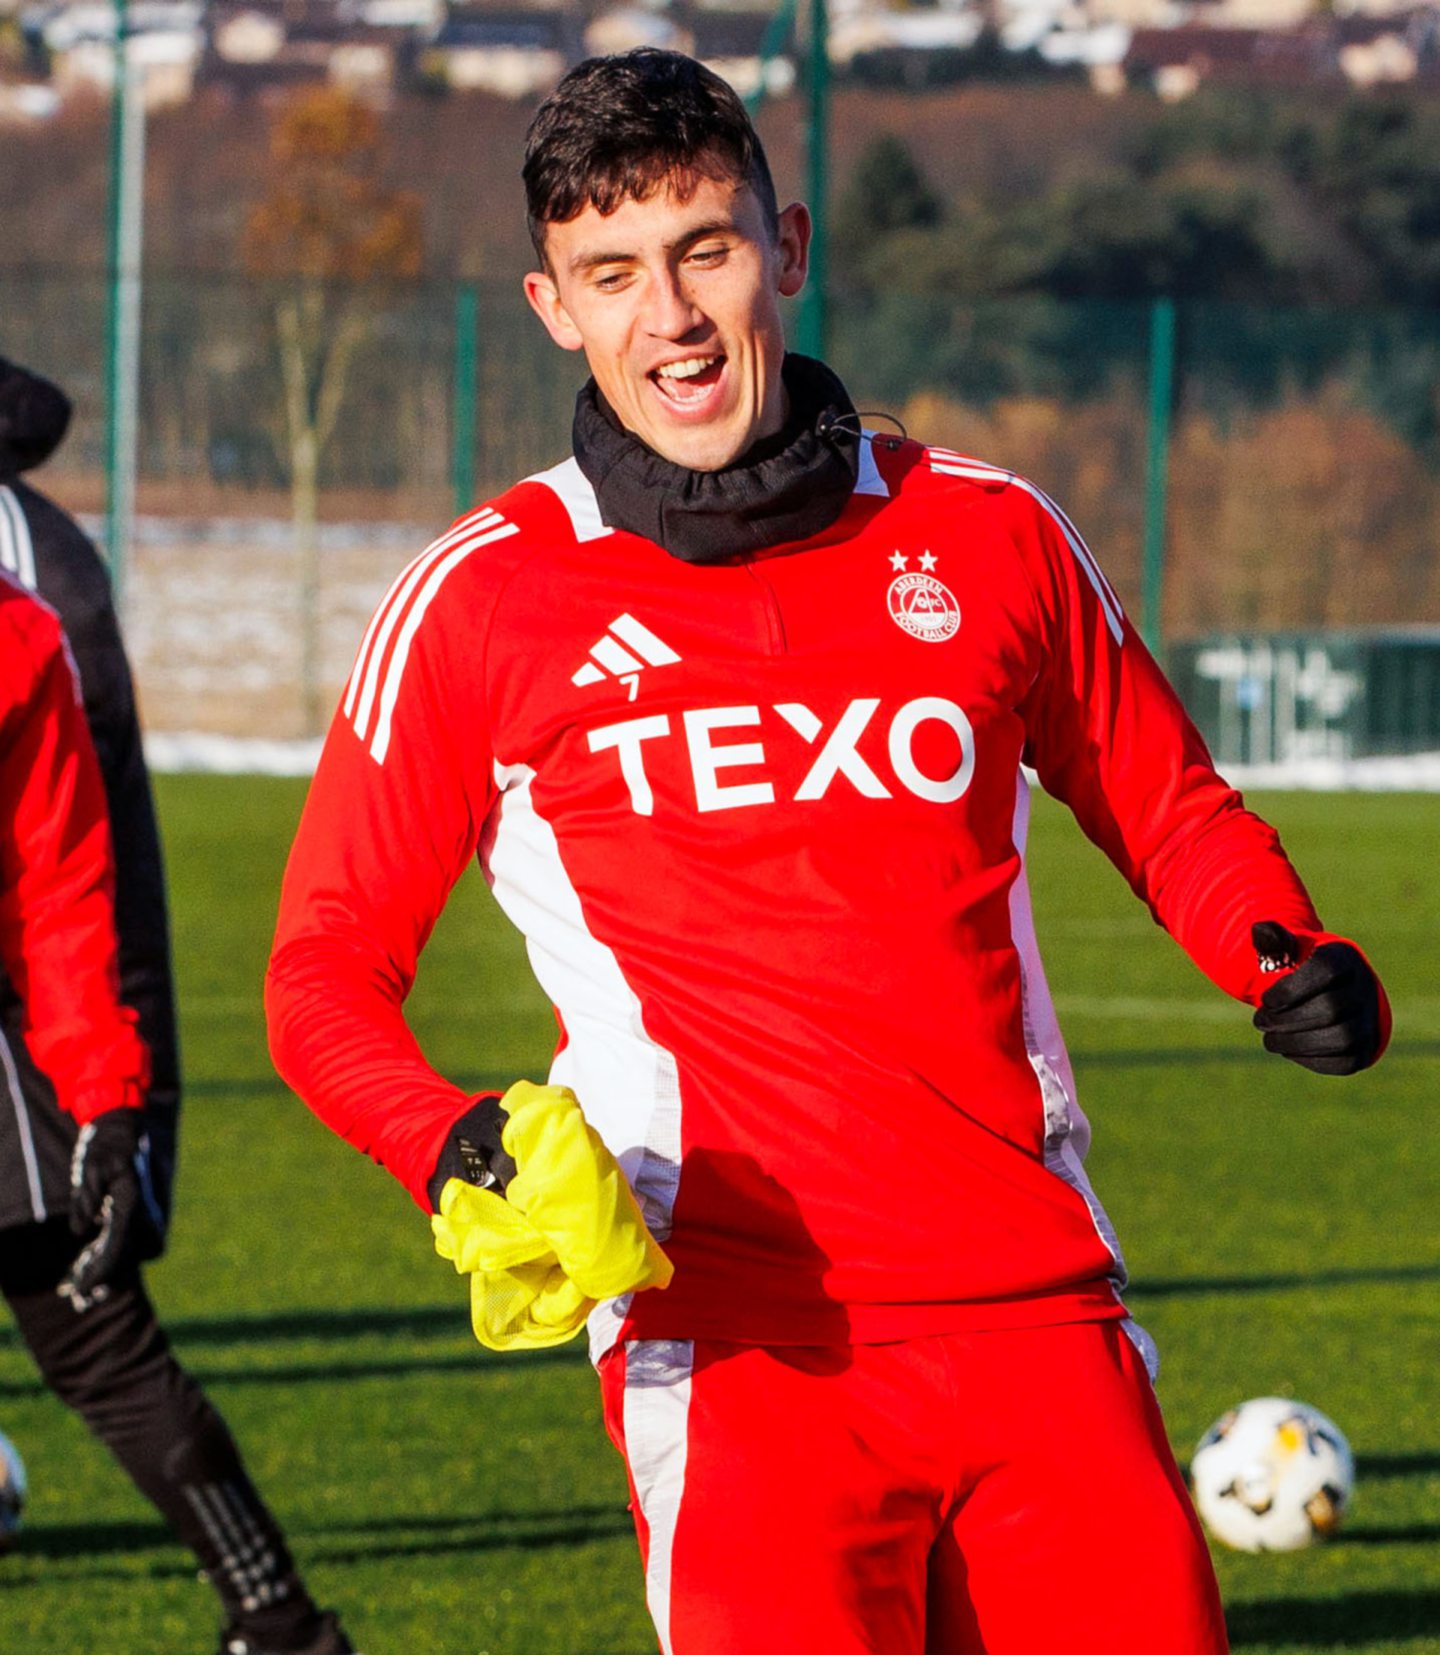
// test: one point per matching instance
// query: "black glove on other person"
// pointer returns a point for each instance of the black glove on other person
(112, 1201)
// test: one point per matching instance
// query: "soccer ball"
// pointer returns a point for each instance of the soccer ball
(12, 1491)
(1272, 1475)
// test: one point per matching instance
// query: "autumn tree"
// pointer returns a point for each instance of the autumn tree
(327, 230)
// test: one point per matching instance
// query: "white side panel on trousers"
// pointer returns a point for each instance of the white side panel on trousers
(628, 1085)
(1067, 1132)
(657, 1417)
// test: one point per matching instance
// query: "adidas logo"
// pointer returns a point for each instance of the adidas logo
(624, 652)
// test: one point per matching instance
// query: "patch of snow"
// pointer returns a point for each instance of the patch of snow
(172, 752)
(1387, 773)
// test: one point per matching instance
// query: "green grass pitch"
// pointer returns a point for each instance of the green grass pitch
(1283, 1234)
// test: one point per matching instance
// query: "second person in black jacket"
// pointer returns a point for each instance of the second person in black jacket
(80, 1300)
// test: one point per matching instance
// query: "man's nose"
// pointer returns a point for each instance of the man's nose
(672, 313)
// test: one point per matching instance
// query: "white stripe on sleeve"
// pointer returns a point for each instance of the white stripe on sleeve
(979, 472)
(395, 672)
(377, 635)
(17, 549)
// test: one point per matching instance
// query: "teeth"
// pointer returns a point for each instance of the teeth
(687, 369)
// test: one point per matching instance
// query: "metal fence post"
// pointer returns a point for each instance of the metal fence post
(122, 320)
(467, 352)
(810, 324)
(1157, 469)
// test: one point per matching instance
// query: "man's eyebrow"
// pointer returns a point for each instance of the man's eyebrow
(584, 261)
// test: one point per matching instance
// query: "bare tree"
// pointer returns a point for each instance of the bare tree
(326, 231)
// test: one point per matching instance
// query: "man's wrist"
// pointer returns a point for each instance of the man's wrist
(474, 1151)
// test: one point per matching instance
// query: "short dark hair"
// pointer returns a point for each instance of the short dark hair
(620, 128)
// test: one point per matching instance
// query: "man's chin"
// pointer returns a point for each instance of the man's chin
(697, 448)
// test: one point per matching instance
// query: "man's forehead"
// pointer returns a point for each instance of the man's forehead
(677, 210)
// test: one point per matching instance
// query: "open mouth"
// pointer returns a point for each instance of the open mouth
(687, 384)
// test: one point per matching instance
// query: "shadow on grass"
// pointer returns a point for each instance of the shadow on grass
(1184, 1057)
(1334, 1623)
(1397, 1465)
(330, 1371)
(237, 1086)
(413, 1536)
(410, 1322)
(1407, 1534)
(327, 1370)
(270, 1085)
(58, 1541)
(380, 1537)
(1381, 1274)
(413, 1325)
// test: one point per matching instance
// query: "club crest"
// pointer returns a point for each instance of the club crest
(921, 604)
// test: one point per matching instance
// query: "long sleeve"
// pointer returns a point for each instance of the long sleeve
(57, 925)
(1108, 736)
(392, 819)
(71, 578)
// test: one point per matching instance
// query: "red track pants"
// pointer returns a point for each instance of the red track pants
(1005, 1493)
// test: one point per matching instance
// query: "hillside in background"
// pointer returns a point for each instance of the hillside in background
(207, 163)
(997, 254)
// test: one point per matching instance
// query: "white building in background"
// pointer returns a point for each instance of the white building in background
(514, 54)
(623, 28)
(1388, 60)
(23, 101)
(425, 15)
(166, 44)
(1099, 51)
(248, 36)
(1135, 14)
(876, 29)
(1252, 14)
(62, 26)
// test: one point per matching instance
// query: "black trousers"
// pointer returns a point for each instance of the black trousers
(113, 1365)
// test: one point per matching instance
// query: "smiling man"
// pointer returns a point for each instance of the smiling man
(673, 299)
(734, 705)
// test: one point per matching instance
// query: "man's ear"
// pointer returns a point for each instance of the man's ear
(544, 299)
(793, 244)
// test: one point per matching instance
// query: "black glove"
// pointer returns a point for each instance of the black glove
(474, 1152)
(112, 1201)
(1325, 1015)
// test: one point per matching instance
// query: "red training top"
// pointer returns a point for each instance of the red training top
(763, 827)
(57, 922)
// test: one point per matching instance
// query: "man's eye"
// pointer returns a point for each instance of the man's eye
(708, 255)
(611, 281)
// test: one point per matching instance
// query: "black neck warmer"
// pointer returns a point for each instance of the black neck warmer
(787, 488)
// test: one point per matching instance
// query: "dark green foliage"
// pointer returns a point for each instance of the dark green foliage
(887, 192)
(1250, 198)
(1377, 169)
(888, 345)
(1110, 240)
(907, 69)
